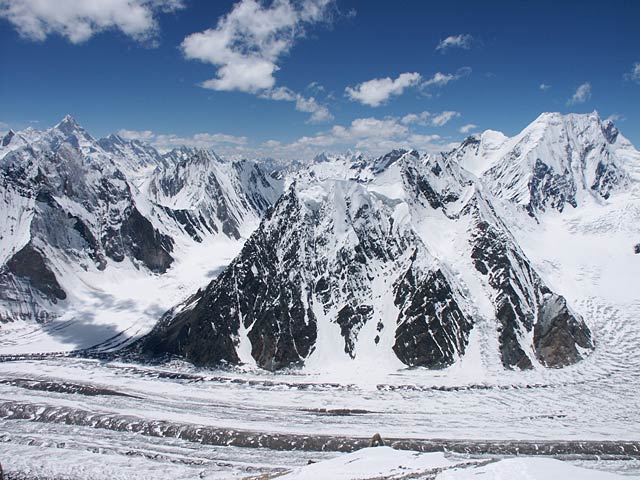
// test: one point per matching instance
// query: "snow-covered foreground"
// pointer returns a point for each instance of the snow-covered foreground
(393, 464)
(127, 425)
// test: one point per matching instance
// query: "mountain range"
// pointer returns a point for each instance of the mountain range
(406, 260)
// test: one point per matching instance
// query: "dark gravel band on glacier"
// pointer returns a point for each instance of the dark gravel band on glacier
(208, 435)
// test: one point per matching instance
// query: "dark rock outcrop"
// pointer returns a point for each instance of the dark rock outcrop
(432, 329)
(552, 189)
(558, 333)
(144, 243)
(262, 289)
(29, 264)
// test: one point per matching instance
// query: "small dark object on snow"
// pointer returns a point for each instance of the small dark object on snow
(636, 249)
(309, 462)
(376, 441)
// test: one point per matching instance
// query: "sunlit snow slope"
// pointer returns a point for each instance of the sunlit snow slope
(482, 258)
(99, 238)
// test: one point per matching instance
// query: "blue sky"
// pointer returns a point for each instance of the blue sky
(292, 78)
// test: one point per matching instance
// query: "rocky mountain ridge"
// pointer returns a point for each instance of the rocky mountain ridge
(408, 259)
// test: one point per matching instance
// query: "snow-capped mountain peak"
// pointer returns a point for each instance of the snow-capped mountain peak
(556, 161)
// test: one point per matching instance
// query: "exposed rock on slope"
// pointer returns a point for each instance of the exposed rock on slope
(361, 257)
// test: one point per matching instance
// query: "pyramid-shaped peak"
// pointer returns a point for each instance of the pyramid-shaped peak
(68, 125)
(68, 120)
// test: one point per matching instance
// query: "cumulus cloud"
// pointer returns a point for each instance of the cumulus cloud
(249, 41)
(634, 75)
(164, 142)
(544, 87)
(581, 95)
(370, 135)
(463, 41)
(377, 91)
(319, 113)
(427, 118)
(79, 20)
(467, 128)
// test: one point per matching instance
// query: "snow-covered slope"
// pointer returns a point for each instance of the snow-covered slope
(86, 232)
(205, 195)
(394, 261)
(557, 161)
(475, 259)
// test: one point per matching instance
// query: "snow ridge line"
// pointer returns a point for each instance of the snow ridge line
(209, 435)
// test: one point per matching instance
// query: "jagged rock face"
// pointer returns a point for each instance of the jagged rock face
(550, 189)
(394, 258)
(513, 312)
(440, 185)
(338, 253)
(261, 291)
(75, 202)
(316, 257)
(390, 158)
(28, 265)
(67, 202)
(524, 304)
(84, 205)
(432, 329)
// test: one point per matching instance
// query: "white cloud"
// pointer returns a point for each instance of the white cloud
(164, 142)
(79, 20)
(142, 135)
(581, 95)
(443, 118)
(616, 117)
(377, 91)
(419, 118)
(634, 75)
(427, 118)
(370, 135)
(467, 128)
(316, 87)
(440, 79)
(371, 127)
(544, 87)
(463, 41)
(319, 113)
(248, 42)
